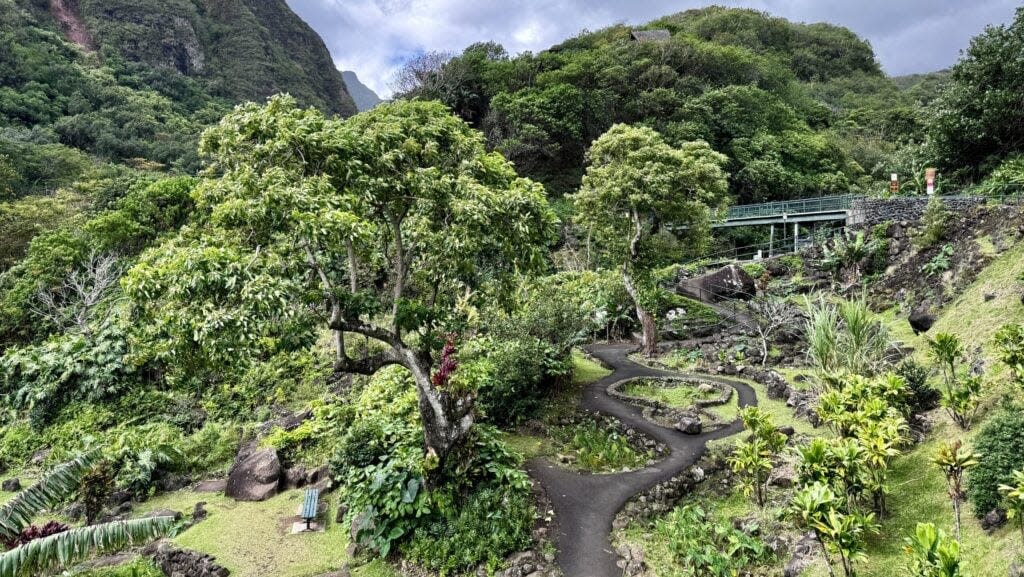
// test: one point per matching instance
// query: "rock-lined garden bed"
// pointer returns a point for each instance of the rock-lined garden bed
(692, 418)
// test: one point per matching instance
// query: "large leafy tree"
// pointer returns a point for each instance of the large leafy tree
(636, 184)
(392, 225)
(979, 120)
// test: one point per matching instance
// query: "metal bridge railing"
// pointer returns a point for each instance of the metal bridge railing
(799, 206)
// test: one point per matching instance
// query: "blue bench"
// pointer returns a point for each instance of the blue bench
(309, 506)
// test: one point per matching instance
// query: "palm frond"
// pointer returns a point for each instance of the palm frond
(63, 550)
(54, 487)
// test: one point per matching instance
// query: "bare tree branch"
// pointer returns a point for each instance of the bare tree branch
(79, 299)
(770, 315)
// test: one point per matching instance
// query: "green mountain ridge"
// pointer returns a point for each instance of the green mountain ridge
(237, 49)
(364, 97)
(800, 109)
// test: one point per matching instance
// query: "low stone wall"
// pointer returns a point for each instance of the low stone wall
(666, 416)
(872, 211)
(174, 562)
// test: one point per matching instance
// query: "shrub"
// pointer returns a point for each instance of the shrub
(513, 376)
(934, 221)
(932, 554)
(939, 263)
(598, 447)
(999, 454)
(1010, 340)
(17, 442)
(702, 544)
(491, 522)
(43, 378)
(921, 396)
(211, 448)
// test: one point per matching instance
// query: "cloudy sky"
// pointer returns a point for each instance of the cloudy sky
(374, 37)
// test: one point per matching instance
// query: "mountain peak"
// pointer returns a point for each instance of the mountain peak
(362, 94)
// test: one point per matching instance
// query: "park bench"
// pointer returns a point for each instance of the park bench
(309, 506)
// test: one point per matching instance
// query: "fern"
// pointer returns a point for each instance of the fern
(63, 550)
(54, 487)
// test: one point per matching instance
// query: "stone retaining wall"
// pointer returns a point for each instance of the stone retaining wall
(872, 211)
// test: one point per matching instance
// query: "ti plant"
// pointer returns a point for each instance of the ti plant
(954, 460)
(752, 461)
(962, 393)
(932, 554)
(59, 551)
(1014, 495)
(841, 534)
(1010, 340)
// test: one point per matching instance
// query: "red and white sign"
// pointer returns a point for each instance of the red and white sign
(929, 180)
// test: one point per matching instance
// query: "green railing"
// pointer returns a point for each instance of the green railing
(792, 207)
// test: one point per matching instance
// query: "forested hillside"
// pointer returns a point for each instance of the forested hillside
(96, 96)
(800, 110)
(213, 311)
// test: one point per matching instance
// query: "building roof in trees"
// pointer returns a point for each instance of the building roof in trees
(658, 35)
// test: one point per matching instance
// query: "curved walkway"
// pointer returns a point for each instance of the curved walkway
(586, 504)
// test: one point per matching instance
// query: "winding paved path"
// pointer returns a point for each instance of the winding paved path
(586, 504)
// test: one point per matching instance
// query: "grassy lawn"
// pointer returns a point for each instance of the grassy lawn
(253, 540)
(681, 395)
(919, 496)
(918, 487)
(586, 370)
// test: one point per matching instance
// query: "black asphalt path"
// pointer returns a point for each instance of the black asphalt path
(586, 504)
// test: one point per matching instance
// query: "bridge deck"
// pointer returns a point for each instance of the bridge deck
(823, 208)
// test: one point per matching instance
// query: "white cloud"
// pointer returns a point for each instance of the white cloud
(374, 37)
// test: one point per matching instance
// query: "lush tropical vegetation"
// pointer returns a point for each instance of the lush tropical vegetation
(393, 304)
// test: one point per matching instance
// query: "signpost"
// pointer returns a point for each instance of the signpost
(894, 183)
(929, 179)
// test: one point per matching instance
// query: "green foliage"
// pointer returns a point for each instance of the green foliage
(934, 223)
(846, 336)
(316, 439)
(65, 549)
(1007, 178)
(514, 376)
(939, 263)
(921, 395)
(1013, 495)
(818, 508)
(715, 79)
(998, 448)
(488, 524)
(634, 181)
(849, 251)
(961, 395)
(971, 134)
(598, 448)
(17, 442)
(51, 489)
(42, 378)
(932, 554)
(955, 460)
(1010, 340)
(752, 461)
(140, 567)
(702, 544)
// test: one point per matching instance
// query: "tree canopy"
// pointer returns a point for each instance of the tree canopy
(392, 225)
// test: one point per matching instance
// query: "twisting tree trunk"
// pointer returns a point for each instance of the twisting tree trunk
(648, 326)
(447, 418)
